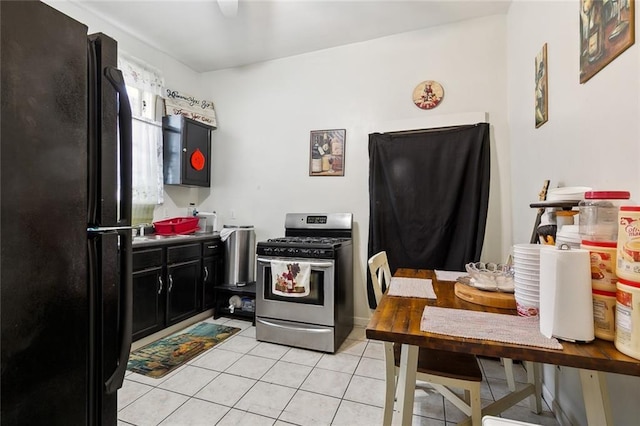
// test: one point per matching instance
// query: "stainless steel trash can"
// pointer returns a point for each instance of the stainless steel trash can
(240, 255)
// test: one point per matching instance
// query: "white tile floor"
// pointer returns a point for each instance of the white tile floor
(245, 382)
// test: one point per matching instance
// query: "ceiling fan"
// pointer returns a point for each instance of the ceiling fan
(229, 8)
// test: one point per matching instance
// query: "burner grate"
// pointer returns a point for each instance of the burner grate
(307, 240)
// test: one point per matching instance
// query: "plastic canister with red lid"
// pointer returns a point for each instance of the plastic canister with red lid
(598, 219)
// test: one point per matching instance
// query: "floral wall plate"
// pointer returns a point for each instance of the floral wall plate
(428, 94)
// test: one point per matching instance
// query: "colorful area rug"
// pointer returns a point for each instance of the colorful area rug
(164, 355)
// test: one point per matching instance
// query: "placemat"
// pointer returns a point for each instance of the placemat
(487, 326)
(411, 287)
(449, 275)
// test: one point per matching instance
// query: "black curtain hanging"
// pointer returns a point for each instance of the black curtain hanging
(428, 197)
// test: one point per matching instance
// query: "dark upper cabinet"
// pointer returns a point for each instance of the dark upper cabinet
(187, 151)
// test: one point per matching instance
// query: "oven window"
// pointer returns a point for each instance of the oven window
(316, 289)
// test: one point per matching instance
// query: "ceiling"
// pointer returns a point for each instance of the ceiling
(197, 34)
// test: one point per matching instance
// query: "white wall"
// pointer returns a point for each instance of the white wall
(176, 75)
(591, 139)
(265, 113)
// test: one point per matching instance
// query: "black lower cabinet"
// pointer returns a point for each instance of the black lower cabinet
(212, 271)
(148, 317)
(173, 282)
(183, 291)
(148, 292)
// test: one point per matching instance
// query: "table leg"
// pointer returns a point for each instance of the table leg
(508, 371)
(534, 376)
(407, 383)
(596, 398)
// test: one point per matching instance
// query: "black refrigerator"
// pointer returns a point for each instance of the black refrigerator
(65, 271)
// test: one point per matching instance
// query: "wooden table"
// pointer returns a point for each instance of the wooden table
(397, 319)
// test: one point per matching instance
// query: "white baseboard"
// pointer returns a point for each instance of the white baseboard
(555, 408)
(360, 322)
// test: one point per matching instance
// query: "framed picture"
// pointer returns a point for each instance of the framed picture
(542, 89)
(607, 28)
(327, 152)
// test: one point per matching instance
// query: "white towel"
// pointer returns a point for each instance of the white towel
(226, 232)
(290, 279)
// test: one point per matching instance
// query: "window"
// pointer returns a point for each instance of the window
(144, 87)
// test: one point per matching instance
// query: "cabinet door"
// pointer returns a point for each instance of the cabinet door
(213, 268)
(196, 166)
(148, 304)
(187, 151)
(184, 291)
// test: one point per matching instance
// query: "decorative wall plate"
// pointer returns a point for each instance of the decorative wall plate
(197, 160)
(428, 94)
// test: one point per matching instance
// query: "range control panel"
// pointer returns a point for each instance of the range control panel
(300, 252)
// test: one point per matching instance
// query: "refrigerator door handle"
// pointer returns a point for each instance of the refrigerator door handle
(113, 383)
(107, 229)
(116, 79)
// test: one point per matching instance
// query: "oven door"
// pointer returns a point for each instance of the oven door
(316, 307)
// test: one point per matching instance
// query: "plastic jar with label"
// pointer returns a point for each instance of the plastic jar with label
(602, 255)
(598, 217)
(627, 338)
(604, 314)
(628, 255)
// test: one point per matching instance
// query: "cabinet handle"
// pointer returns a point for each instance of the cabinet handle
(160, 282)
(184, 149)
(212, 247)
(170, 283)
(206, 273)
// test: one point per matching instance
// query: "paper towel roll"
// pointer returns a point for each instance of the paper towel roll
(566, 307)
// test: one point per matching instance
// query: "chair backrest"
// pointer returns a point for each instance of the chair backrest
(380, 273)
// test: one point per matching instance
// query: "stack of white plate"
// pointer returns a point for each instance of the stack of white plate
(569, 235)
(526, 267)
(567, 193)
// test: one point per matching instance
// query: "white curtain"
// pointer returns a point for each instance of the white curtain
(144, 85)
(147, 163)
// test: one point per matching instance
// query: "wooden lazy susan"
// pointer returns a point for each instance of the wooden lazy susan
(486, 298)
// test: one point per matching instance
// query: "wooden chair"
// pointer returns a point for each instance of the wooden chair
(441, 369)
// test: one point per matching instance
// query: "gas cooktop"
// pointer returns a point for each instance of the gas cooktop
(308, 240)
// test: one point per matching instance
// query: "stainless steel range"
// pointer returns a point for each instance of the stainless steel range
(304, 282)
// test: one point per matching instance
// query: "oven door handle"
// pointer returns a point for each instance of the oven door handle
(313, 264)
(293, 328)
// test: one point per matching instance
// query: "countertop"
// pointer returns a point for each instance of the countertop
(158, 240)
